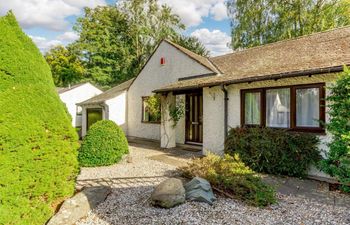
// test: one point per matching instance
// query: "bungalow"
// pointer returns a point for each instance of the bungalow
(72, 95)
(280, 85)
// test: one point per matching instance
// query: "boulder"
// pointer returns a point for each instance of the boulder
(79, 205)
(168, 194)
(199, 189)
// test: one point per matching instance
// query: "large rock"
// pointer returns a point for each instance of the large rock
(169, 193)
(199, 189)
(79, 205)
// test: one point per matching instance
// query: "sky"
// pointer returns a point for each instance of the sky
(50, 22)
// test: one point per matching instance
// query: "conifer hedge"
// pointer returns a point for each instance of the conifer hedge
(38, 146)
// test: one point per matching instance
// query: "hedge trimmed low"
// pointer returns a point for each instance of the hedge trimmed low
(105, 144)
(38, 145)
(274, 151)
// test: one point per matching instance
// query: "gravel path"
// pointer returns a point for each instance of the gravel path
(129, 203)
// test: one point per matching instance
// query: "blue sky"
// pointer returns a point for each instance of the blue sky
(49, 22)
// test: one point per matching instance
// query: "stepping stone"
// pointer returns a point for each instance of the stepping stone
(79, 205)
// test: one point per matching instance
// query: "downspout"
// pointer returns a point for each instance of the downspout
(223, 88)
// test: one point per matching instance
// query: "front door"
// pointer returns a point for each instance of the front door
(93, 115)
(194, 118)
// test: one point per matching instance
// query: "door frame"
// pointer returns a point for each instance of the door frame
(188, 111)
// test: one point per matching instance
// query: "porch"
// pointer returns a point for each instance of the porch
(187, 133)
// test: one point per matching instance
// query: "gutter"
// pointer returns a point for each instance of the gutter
(278, 76)
(224, 90)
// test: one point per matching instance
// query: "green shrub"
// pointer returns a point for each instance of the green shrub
(337, 163)
(104, 144)
(38, 146)
(230, 174)
(274, 151)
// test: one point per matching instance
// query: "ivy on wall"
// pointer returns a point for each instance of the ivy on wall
(337, 163)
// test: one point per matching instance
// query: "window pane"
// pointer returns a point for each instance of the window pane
(278, 107)
(252, 108)
(151, 110)
(145, 112)
(308, 107)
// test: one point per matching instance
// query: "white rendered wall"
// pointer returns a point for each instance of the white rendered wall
(117, 110)
(152, 77)
(181, 124)
(213, 120)
(213, 111)
(72, 97)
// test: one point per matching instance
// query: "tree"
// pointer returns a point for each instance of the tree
(38, 145)
(191, 43)
(116, 41)
(264, 21)
(66, 68)
(337, 163)
(149, 23)
(104, 45)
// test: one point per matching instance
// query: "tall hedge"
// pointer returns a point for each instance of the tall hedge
(38, 146)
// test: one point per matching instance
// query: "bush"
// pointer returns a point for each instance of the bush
(337, 163)
(38, 145)
(274, 151)
(104, 144)
(229, 174)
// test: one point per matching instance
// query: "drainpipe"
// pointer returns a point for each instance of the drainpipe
(223, 88)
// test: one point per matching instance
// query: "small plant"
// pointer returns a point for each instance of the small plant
(177, 111)
(337, 163)
(274, 151)
(230, 175)
(104, 144)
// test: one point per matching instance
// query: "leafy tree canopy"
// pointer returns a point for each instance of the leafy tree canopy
(116, 41)
(66, 67)
(264, 21)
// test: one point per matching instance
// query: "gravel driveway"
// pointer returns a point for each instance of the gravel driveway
(133, 183)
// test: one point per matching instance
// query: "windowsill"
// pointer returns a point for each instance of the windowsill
(314, 130)
(149, 122)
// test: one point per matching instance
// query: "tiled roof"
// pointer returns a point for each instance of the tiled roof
(109, 94)
(61, 90)
(316, 53)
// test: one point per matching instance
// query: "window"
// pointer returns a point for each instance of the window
(278, 108)
(151, 109)
(79, 110)
(294, 107)
(252, 108)
(307, 107)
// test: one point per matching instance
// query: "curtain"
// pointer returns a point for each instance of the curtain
(308, 107)
(252, 108)
(278, 107)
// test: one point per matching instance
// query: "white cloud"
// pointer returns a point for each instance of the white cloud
(49, 14)
(43, 44)
(193, 12)
(68, 36)
(219, 11)
(216, 41)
